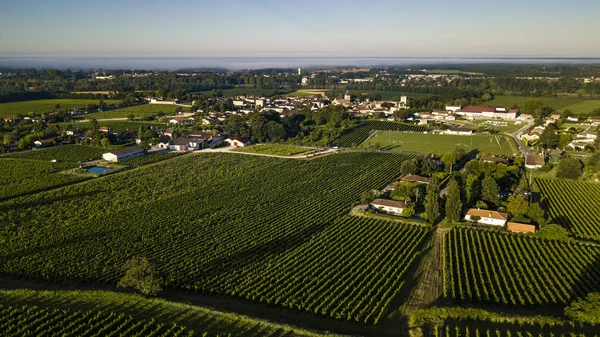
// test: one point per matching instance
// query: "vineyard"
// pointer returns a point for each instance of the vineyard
(573, 205)
(151, 157)
(482, 266)
(226, 224)
(65, 153)
(468, 328)
(361, 132)
(144, 310)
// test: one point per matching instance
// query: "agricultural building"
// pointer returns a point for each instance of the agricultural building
(238, 141)
(534, 161)
(389, 206)
(124, 153)
(520, 227)
(487, 217)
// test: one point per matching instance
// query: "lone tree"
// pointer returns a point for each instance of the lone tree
(569, 168)
(449, 158)
(141, 274)
(408, 167)
(489, 190)
(585, 310)
(432, 200)
(453, 202)
(517, 205)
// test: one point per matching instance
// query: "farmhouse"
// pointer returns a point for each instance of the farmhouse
(534, 161)
(238, 141)
(44, 142)
(124, 153)
(389, 206)
(459, 131)
(495, 160)
(487, 217)
(520, 227)
(413, 178)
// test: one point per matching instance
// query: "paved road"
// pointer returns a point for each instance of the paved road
(230, 149)
(517, 137)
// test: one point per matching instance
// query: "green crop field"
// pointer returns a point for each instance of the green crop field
(483, 266)
(117, 126)
(361, 132)
(255, 228)
(437, 144)
(573, 205)
(560, 104)
(388, 95)
(46, 105)
(274, 149)
(142, 110)
(249, 91)
(130, 308)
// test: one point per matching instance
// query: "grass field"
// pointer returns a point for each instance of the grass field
(117, 126)
(435, 143)
(577, 106)
(247, 91)
(45, 105)
(142, 110)
(274, 149)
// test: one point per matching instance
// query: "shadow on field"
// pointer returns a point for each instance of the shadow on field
(45, 201)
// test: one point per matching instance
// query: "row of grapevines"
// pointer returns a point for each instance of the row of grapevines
(204, 219)
(515, 270)
(34, 321)
(361, 132)
(492, 329)
(66, 153)
(573, 205)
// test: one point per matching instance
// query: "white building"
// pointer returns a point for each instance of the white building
(389, 206)
(459, 131)
(124, 153)
(487, 217)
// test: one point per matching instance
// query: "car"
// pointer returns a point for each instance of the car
(335, 147)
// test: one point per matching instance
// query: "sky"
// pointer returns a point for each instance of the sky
(283, 28)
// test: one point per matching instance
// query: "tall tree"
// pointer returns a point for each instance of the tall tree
(453, 201)
(472, 189)
(408, 167)
(517, 205)
(549, 139)
(449, 158)
(569, 168)
(489, 190)
(432, 200)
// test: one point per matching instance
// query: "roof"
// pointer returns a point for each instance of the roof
(495, 160)
(46, 141)
(534, 159)
(484, 213)
(126, 150)
(390, 203)
(460, 129)
(241, 139)
(513, 111)
(475, 108)
(415, 178)
(520, 227)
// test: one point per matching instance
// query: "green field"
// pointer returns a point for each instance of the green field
(139, 308)
(560, 104)
(117, 126)
(274, 149)
(142, 110)
(248, 91)
(46, 105)
(437, 144)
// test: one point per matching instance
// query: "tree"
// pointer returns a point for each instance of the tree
(549, 139)
(131, 117)
(472, 189)
(534, 108)
(141, 274)
(536, 213)
(585, 310)
(453, 201)
(489, 190)
(105, 142)
(517, 205)
(428, 166)
(449, 158)
(408, 211)
(178, 109)
(569, 168)
(366, 197)
(408, 167)
(432, 200)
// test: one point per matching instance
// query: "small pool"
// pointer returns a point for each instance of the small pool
(98, 170)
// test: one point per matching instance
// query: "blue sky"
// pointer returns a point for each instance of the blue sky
(300, 28)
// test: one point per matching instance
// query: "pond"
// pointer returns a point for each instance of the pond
(98, 170)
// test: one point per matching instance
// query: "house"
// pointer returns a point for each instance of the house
(44, 142)
(572, 119)
(520, 227)
(389, 206)
(459, 131)
(487, 217)
(487, 112)
(72, 132)
(534, 161)
(169, 101)
(238, 141)
(453, 108)
(413, 178)
(106, 129)
(186, 143)
(124, 153)
(496, 160)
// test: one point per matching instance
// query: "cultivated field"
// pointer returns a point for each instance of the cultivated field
(117, 126)
(577, 106)
(255, 228)
(482, 266)
(249, 91)
(437, 144)
(142, 110)
(274, 149)
(573, 205)
(361, 132)
(135, 315)
(46, 105)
